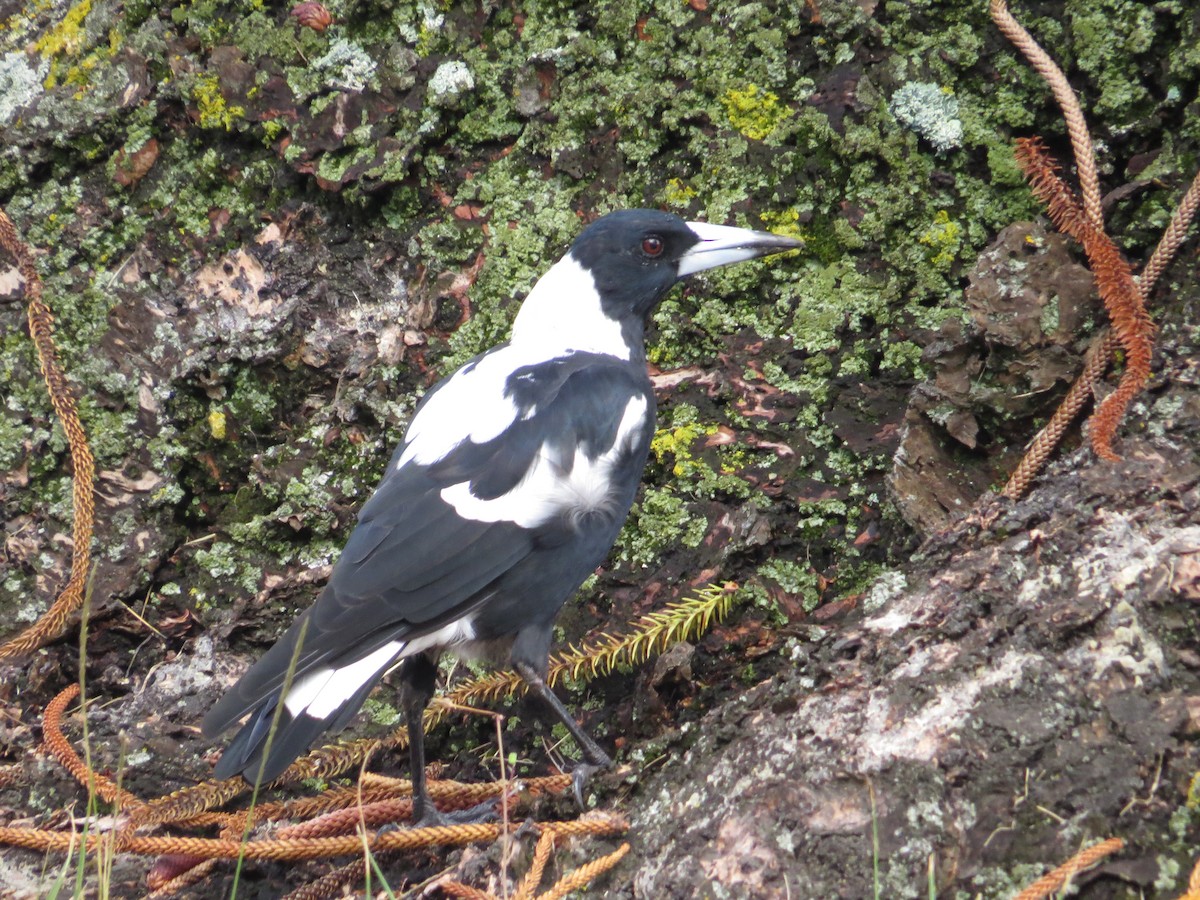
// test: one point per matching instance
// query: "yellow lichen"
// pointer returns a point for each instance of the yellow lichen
(67, 36)
(64, 39)
(678, 192)
(216, 424)
(211, 105)
(785, 222)
(755, 113)
(677, 442)
(943, 237)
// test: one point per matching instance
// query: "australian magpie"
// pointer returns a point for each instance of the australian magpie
(507, 491)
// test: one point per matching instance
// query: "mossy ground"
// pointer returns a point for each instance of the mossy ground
(400, 223)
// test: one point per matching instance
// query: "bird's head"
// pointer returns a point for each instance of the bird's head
(622, 265)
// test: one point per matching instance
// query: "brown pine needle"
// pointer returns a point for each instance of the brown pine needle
(331, 884)
(53, 622)
(465, 891)
(1081, 140)
(1172, 238)
(60, 748)
(1084, 859)
(541, 856)
(1132, 327)
(585, 875)
(1080, 394)
(1114, 280)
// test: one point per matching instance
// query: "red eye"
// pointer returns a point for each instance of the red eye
(652, 245)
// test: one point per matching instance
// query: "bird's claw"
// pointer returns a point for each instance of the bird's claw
(582, 774)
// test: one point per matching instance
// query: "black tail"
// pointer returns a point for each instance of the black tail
(260, 753)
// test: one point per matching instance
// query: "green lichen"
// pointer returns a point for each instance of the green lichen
(659, 521)
(795, 578)
(1110, 38)
(382, 714)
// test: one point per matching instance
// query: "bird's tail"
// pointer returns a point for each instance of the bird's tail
(318, 701)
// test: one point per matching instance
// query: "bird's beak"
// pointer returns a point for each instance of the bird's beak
(720, 245)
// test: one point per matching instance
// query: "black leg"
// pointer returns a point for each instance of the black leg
(594, 758)
(419, 676)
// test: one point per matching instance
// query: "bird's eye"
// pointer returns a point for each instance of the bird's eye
(652, 245)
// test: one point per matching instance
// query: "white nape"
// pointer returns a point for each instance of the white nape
(563, 313)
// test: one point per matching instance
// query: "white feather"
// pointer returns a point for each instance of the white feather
(470, 406)
(563, 313)
(322, 692)
(548, 489)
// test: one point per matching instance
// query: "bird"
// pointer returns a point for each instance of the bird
(507, 491)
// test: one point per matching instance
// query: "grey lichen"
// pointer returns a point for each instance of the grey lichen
(888, 585)
(931, 112)
(451, 80)
(19, 83)
(347, 66)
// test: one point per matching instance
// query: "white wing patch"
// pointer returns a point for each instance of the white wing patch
(470, 406)
(322, 692)
(548, 489)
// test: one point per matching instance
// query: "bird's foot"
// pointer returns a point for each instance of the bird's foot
(432, 817)
(583, 773)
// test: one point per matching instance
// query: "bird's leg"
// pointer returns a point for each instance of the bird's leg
(419, 676)
(594, 758)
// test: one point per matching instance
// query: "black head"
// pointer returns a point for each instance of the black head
(635, 255)
(597, 297)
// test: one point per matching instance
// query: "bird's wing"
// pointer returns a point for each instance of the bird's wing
(465, 499)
